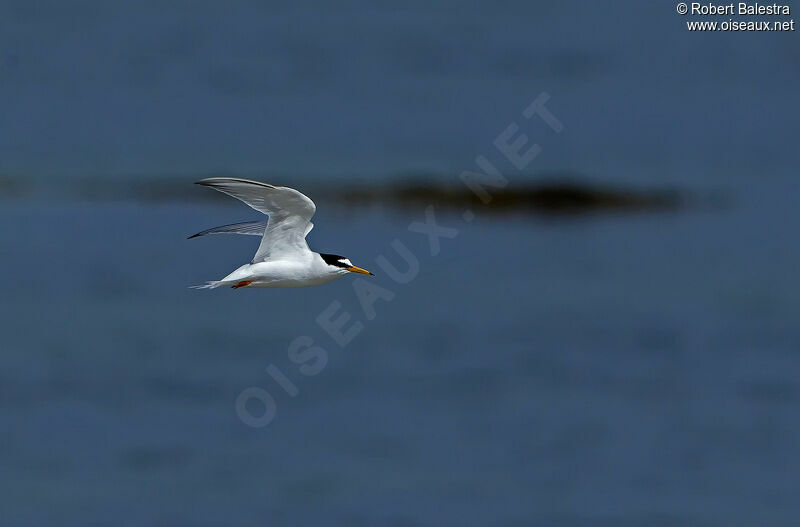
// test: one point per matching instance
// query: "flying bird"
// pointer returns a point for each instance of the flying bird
(283, 259)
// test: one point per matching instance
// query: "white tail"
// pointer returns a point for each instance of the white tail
(209, 285)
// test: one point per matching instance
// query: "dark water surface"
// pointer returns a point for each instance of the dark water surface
(361, 89)
(605, 369)
(609, 370)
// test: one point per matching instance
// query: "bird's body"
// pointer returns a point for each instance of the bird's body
(283, 259)
(284, 273)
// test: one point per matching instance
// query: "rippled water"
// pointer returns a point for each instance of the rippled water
(600, 370)
(365, 90)
(626, 370)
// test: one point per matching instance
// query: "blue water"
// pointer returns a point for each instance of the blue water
(361, 90)
(612, 370)
(605, 369)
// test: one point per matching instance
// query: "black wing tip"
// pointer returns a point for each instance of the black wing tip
(193, 236)
(211, 181)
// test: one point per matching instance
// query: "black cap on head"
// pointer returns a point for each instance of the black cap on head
(336, 260)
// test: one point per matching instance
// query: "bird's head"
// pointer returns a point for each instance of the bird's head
(343, 263)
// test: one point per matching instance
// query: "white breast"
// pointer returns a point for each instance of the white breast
(287, 273)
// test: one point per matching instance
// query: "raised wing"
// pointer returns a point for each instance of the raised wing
(289, 214)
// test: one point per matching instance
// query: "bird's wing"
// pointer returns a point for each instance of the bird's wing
(254, 228)
(289, 214)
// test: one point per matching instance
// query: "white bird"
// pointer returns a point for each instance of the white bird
(283, 259)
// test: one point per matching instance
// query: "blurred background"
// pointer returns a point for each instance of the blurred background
(615, 342)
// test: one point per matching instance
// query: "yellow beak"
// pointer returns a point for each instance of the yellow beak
(355, 269)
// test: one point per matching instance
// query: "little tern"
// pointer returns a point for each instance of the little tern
(283, 259)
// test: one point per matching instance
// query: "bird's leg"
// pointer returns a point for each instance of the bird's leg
(243, 283)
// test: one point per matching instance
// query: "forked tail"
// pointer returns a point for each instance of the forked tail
(209, 285)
